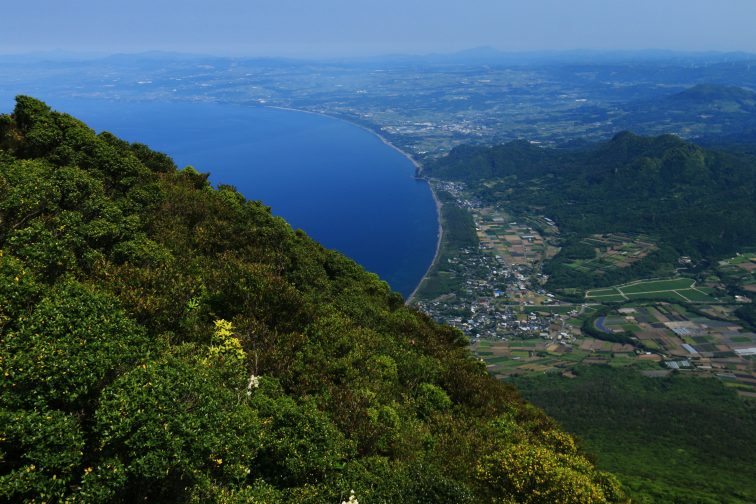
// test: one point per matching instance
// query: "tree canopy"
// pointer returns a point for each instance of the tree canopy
(163, 340)
(693, 201)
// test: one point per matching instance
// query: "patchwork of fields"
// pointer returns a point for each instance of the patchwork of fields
(676, 289)
(613, 251)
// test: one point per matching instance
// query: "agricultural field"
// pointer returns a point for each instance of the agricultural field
(688, 340)
(518, 243)
(522, 357)
(655, 337)
(739, 270)
(614, 250)
(671, 290)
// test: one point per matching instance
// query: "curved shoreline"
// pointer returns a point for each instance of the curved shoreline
(412, 295)
(418, 172)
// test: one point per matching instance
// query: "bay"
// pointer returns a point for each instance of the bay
(336, 181)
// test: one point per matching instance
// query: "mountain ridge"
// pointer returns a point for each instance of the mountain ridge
(166, 340)
(694, 201)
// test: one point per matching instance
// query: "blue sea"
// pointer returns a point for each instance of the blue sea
(339, 183)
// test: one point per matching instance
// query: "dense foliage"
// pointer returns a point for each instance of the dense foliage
(694, 201)
(161, 340)
(635, 423)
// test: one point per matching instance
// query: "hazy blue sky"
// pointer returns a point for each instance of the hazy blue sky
(365, 27)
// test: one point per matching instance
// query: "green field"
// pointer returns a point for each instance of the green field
(499, 360)
(674, 290)
(603, 292)
(525, 343)
(657, 286)
(615, 298)
(671, 296)
(697, 296)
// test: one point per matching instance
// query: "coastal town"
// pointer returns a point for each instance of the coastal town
(496, 288)
(494, 291)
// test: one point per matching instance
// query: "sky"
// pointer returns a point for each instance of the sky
(318, 28)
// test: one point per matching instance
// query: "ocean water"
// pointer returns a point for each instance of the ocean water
(339, 183)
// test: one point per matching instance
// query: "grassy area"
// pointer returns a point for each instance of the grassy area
(602, 292)
(671, 296)
(657, 285)
(674, 290)
(618, 298)
(697, 296)
(498, 360)
(742, 259)
(524, 343)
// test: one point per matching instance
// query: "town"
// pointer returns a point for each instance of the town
(494, 292)
(496, 289)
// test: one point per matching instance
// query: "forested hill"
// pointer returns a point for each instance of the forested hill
(164, 341)
(712, 113)
(698, 201)
(711, 95)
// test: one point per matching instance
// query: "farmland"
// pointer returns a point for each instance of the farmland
(518, 356)
(672, 290)
(612, 251)
(654, 337)
(740, 270)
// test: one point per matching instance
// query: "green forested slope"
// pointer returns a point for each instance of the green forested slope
(679, 439)
(694, 201)
(161, 340)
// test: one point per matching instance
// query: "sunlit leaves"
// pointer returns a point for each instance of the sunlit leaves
(171, 421)
(40, 453)
(73, 343)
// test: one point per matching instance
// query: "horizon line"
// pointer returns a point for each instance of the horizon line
(477, 52)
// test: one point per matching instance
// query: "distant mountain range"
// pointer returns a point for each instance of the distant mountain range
(475, 55)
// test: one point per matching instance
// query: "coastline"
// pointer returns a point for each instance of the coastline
(411, 297)
(418, 174)
(382, 138)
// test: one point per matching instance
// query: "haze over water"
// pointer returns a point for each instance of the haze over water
(336, 181)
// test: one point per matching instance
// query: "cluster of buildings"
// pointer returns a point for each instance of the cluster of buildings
(493, 297)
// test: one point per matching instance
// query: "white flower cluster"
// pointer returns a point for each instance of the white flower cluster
(352, 499)
(254, 382)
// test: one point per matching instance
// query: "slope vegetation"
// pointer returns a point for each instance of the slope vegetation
(694, 201)
(162, 340)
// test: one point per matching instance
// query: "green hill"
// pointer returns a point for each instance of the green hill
(161, 340)
(707, 113)
(694, 201)
(709, 94)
